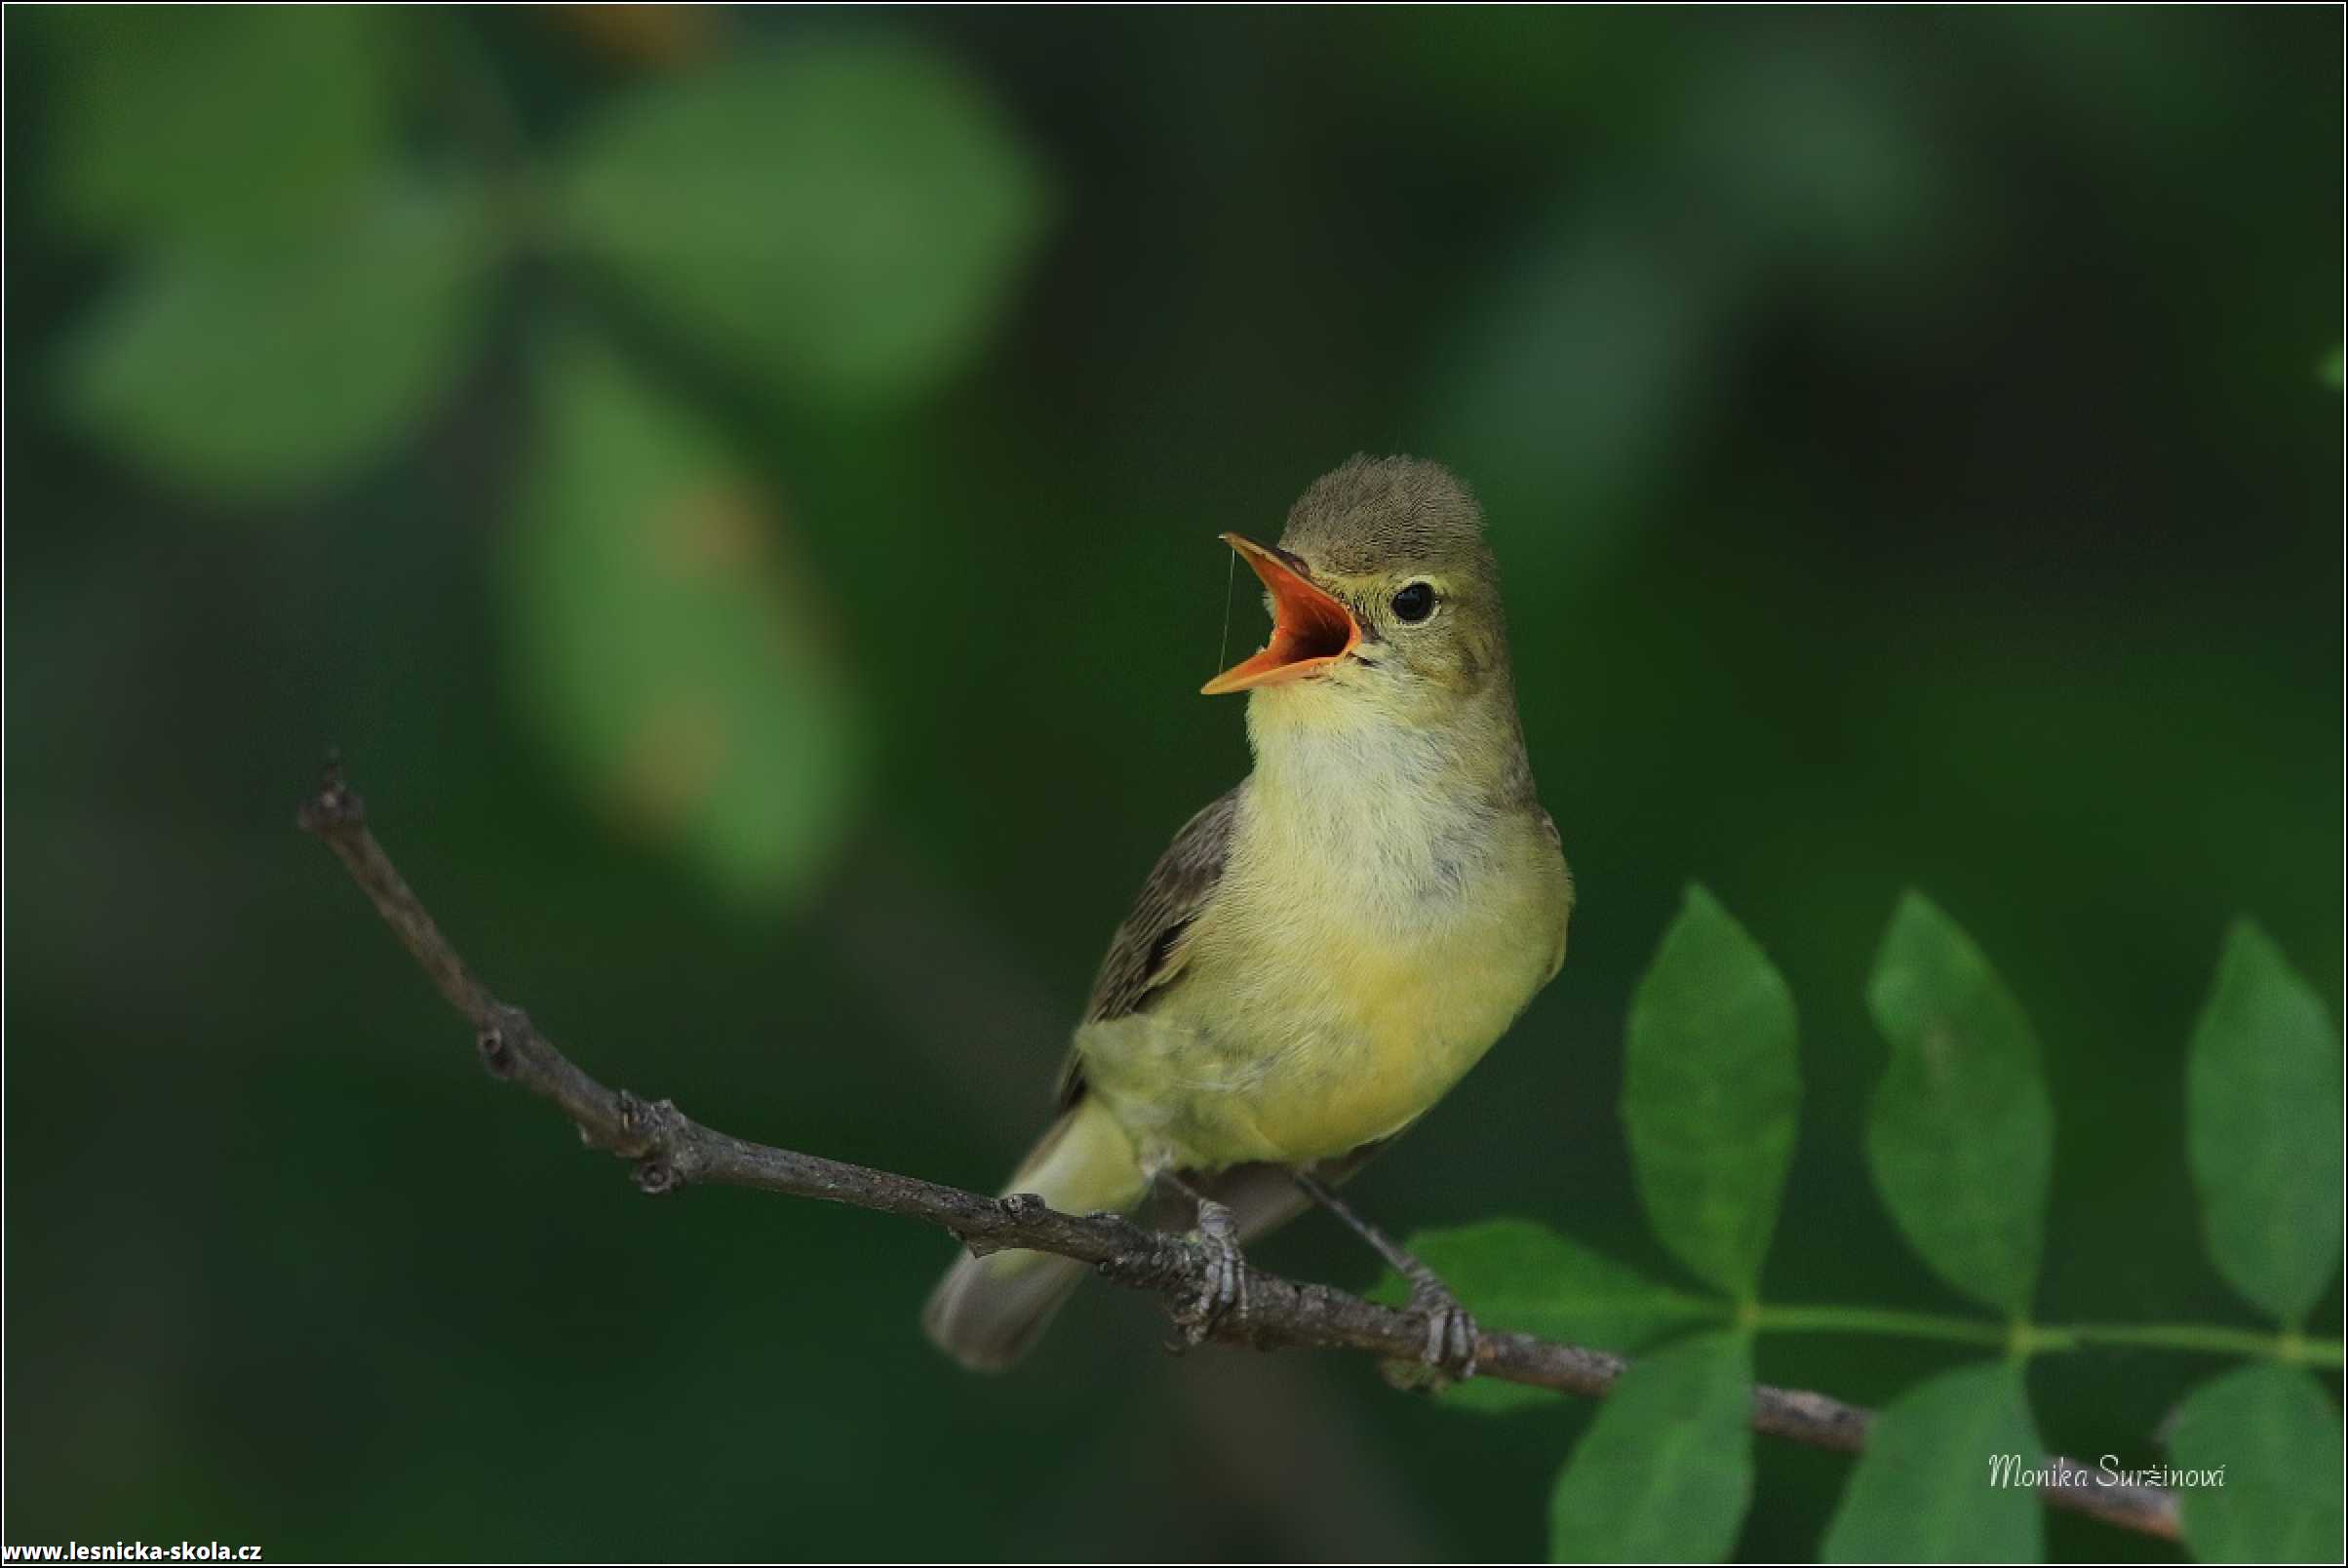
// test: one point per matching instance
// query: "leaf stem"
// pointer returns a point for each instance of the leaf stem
(1831, 1319)
(2042, 1339)
(2209, 1337)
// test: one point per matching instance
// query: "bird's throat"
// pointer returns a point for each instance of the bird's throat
(1391, 817)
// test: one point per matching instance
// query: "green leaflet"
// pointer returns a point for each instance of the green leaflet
(856, 240)
(1927, 1487)
(1665, 1472)
(671, 657)
(2278, 1442)
(225, 123)
(1711, 1093)
(257, 373)
(1961, 1135)
(2262, 1102)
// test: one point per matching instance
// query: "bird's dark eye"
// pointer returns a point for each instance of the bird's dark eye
(1415, 601)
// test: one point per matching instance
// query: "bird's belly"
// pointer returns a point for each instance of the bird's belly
(1322, 1041)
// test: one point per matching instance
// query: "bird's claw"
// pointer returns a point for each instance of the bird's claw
(1451, 1332)
(1223, 1284)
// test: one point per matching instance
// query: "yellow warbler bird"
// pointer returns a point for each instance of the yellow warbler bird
(1323, 952)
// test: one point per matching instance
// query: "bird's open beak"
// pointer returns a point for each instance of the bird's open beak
(1311, 630)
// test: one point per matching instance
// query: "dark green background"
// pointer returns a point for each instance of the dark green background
(1905, 443)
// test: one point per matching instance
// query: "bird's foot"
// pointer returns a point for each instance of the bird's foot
(1223, 1285)
(1451, 1332)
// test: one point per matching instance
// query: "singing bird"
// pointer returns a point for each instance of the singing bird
(1323, 952)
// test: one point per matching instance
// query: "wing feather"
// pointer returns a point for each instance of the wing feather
(1147, 951)
(1146, 954)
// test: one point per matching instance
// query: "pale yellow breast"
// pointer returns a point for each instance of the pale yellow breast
(1350, 969)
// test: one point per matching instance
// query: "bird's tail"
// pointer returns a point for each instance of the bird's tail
(987, 1311)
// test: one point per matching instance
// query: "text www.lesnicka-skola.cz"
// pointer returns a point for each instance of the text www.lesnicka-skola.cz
(133, 1552)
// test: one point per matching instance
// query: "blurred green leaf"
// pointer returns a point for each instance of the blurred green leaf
(844, 218)
(252, 373)
(1925, 1488)
(676, 661)
(1665, 1472)
(2331, 368)
(1960, 1137)
(1517, 1274)
(177, 121)
(2262, 1106)
(2278, 1442)
(1711, 1089)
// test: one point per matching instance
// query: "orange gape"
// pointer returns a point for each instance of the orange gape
(1311, 630)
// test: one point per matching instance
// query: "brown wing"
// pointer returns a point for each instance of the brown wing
(1147, 951)
(1146, 954)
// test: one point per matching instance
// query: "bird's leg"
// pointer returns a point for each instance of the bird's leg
(1224, 1287)
(1451, 1333)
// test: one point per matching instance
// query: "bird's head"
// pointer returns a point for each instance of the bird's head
(1383, 597)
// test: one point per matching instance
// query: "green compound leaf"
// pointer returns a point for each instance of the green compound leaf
(2262, 1452)
(257, 373)
(205, 121)
(2262, 1106)
(855, 239)
(1961, 1135)
(1712, 1091)
(677, 669)
(1665, 1472)
(1520, 1276)
(1928, 1488)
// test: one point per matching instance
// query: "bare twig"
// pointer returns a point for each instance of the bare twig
(670, 1151)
